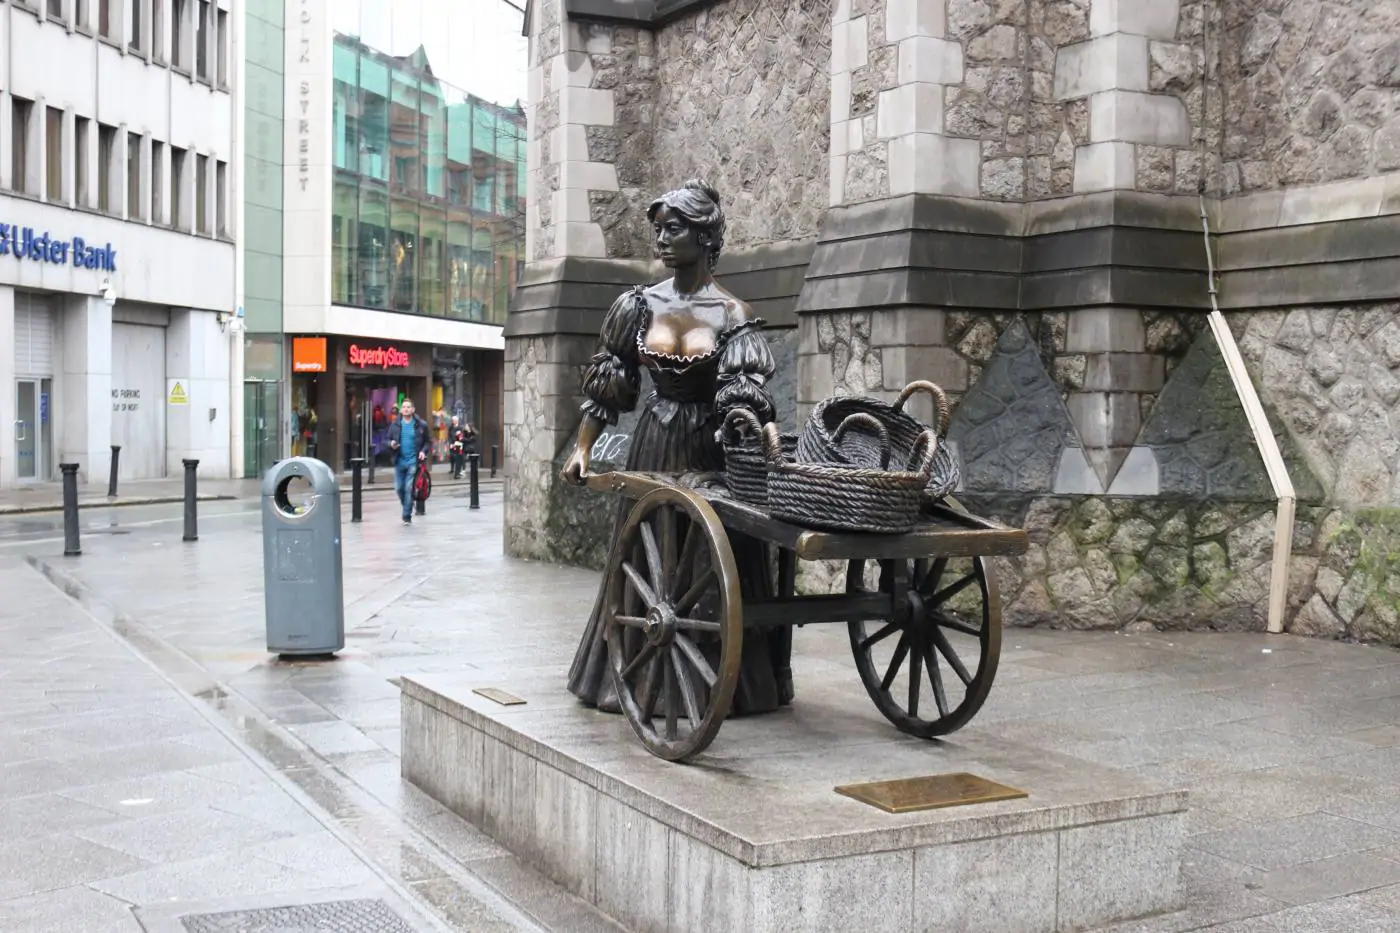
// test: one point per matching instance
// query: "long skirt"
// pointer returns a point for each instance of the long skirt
(685, 442)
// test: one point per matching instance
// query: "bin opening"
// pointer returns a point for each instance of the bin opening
(294, 495)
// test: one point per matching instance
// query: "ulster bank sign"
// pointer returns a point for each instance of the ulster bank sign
(24, 243)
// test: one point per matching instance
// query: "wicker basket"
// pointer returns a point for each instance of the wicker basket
(816, 443)
(745, 461)
(848, 498)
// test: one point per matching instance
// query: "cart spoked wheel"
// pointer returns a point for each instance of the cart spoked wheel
(930, 664)
(674, 622)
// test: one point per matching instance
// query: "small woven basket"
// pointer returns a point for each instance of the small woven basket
(817, 443)
(745, 460)
(849, 498)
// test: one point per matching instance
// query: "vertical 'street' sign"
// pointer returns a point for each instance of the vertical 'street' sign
(307, 170)
(303, 115)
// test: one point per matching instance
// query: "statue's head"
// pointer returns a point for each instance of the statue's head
(689, 225)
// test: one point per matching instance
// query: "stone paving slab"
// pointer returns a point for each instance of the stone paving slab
(1277, 738)
(117, 791)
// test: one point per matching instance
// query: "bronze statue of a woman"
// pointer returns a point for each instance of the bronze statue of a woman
(706, 356)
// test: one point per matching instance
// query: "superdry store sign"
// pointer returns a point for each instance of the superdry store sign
(378, 357)
(25, 243)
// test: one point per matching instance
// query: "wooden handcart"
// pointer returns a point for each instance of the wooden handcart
(922, 608)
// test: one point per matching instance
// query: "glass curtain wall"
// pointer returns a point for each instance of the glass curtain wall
(429, 206)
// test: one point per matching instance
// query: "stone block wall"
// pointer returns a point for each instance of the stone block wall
(1314, 92)
(1003, 198)
(741, 96)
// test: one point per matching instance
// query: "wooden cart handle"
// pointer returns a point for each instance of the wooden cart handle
(867, 421)
(940, 400)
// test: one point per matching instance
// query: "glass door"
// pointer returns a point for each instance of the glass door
(260, 435)
(28, 430)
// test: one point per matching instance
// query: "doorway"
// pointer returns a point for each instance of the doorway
(33, 430)
(372, 404)
(261, 415)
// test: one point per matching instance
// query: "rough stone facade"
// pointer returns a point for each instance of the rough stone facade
(742, 94)
(1003, 196)
(1313, 92)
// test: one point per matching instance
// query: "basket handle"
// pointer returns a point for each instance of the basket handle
(871, 422)
(924, 453)
(940, 401)
(736, 418)
(772, 445)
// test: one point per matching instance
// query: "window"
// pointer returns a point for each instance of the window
(177, 176)
(221, 46)
(104, 18)
(134, 208)
(158, 51)
(106, 165)
(138, 24)
(201, 198)
(81, 13)
(82, 131)
(53, 163)
(221, 198)
(20, 111)
(178, 55)
(157, 189)
(201, 42)
(55, 9)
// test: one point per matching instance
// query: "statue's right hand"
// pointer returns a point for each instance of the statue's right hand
(575, 470)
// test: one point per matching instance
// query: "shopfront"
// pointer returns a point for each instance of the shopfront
(346, 391)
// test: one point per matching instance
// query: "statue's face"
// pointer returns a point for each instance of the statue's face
(677, 243)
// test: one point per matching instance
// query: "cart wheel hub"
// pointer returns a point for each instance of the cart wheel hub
(914, 609)
(660, 625)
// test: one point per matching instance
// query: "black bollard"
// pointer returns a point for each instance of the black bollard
(71, 547)
(476, 490)
(356, 465)
(495, 459)
(112, 478)
(371, 468)
(191, 514)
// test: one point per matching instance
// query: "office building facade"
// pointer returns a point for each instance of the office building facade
(117, 255)
(385, 208)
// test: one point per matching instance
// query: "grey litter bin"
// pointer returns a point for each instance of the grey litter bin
(302, 572)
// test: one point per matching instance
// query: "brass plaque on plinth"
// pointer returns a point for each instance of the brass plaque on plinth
(930, 793)
(498, 696)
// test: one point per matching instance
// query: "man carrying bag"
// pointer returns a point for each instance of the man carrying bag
(409, 439)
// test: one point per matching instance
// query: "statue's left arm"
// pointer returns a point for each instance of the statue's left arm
(745, 366)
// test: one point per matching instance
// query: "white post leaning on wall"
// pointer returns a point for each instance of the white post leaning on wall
(1263, 439)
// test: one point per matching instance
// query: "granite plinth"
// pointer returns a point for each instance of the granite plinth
(751, 836)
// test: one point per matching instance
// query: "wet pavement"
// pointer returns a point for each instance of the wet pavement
(1290, 747)
(118, 790)
(48, 497)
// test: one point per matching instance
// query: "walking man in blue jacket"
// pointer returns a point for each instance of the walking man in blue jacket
(409, 439)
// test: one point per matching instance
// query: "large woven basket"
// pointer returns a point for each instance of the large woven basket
(745, 460)
(816, 442)
(848, 498)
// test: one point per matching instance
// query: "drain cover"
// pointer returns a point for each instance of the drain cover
(359, 916)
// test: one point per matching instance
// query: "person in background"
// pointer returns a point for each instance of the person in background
(457, 445)
(410, 440)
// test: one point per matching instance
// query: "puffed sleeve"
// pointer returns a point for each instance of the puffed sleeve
(745, 366)
(613, 380)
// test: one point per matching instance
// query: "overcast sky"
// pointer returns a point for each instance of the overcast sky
(473, 45)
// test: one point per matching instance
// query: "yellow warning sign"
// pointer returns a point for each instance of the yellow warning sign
(178, 395)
